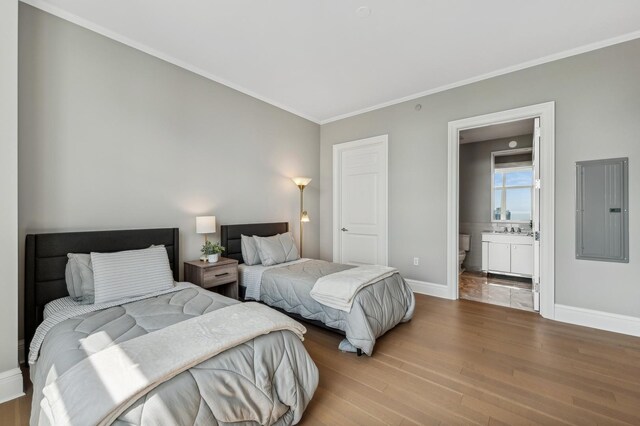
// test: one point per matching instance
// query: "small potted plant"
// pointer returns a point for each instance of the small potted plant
(212, 251)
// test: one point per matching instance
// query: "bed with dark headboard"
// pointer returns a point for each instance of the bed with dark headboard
(278, 354)
(230, 235)
(231, 240)
(381, 305)
(46, 258)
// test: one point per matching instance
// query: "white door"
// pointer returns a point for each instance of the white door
(360, 171)
(500, 257)
(536, 215)
(522, 259)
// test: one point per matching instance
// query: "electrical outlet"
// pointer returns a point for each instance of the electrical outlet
(416, 261)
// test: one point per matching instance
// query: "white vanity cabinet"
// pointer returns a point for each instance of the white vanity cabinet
(510, 254)
(522, 259)
(499, 257)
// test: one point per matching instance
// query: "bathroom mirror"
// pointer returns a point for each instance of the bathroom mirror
(512, 185)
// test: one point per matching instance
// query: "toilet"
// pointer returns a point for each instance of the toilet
(464, 245)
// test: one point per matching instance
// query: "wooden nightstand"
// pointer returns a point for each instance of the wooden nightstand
(221, 277)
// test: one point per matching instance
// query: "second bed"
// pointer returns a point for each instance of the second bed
(376, 308)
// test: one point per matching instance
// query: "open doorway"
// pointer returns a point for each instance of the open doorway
(501, 208)
(496, 214)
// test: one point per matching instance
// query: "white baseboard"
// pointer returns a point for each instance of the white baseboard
(21, 352)
(597, 319)
(10, 385)
(579, 316)
(430, 289)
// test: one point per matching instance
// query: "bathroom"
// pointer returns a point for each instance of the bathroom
(496, 242)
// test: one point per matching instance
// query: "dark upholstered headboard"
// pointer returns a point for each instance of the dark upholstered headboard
(230, 235)
(46, 258)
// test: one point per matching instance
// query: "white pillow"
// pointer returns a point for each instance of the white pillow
(79, 277)
(277, 249)
(130, 273)
(250, 253)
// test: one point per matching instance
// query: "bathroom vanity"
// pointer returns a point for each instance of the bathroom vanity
(507, 253)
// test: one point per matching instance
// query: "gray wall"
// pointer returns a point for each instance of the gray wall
(597, 98)
(111, 137)
(8, 185)
(475, 191)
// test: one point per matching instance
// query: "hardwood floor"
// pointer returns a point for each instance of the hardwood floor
(496, 289)
(474, 363)
(466, 362)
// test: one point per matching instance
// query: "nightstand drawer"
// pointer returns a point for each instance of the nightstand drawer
(222, 275)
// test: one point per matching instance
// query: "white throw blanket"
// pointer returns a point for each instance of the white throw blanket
(338, 290)
(101, 387)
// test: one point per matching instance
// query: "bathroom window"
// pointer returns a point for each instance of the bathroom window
(511, 186)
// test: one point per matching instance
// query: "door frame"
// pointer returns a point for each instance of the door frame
(546, 112)
(337, 195)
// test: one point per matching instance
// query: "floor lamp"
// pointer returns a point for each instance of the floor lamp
(301, 182)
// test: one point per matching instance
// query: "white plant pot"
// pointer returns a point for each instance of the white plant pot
(213, 258)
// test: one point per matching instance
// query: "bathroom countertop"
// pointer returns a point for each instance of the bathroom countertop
(515, 234)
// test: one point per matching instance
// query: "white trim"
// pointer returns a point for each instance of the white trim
(453, 214)
(92, 26)
(21, 352)
(598, 319)
(10, 385)
(337, 149)
(545, 59)
(430, 289)
(546, 112)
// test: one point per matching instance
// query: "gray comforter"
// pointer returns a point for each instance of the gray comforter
(377, 308)
(269, 377)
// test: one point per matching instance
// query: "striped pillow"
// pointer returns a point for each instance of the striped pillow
(130, 273)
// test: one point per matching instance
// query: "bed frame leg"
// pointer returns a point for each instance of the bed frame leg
(359, 352)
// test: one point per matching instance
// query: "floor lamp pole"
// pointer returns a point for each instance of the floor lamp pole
(302, 182)
(301, 211)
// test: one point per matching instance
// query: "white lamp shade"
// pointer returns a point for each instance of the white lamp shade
(304, 217)
(206, 224)
(301, 181)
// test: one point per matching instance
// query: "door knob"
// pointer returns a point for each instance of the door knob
(344, 229)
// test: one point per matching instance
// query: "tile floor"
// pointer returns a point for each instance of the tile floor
(496, 290)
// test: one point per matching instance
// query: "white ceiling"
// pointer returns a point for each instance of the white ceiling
(322, 61)
(497, 131)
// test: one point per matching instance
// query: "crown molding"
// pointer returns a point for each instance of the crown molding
(92, 26)
(545, 59)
